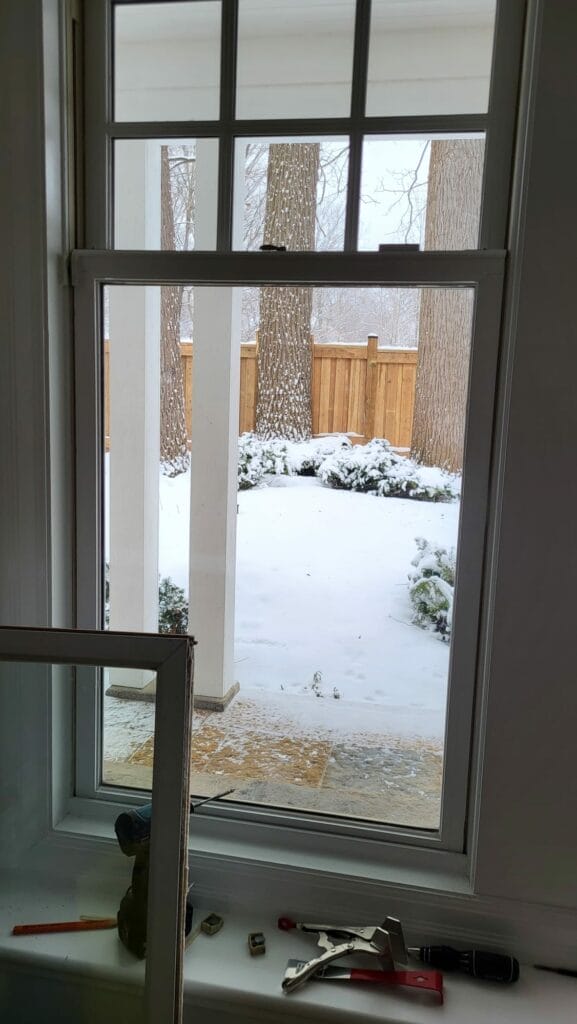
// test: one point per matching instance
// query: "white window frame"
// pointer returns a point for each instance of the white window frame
(516, 889)
(482, 269)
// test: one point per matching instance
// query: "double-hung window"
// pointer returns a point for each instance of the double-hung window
(295, 223)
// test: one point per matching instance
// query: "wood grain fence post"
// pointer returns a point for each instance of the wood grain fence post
(371, 386)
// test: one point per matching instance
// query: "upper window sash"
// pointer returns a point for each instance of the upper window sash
(102, 129)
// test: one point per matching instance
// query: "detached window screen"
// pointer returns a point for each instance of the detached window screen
(294, 429)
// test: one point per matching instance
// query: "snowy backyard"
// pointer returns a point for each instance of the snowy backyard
(322, 588)
(324, 622)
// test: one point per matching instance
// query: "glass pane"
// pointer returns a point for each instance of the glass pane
(295, 60)
(166, 61)
(421, 190)
(165, 193)
(278, 177)
(352, 407)
(430, 57)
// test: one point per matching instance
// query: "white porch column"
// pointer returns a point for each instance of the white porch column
(134, 329)
(214, 455)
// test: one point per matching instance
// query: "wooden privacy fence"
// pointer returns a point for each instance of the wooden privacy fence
(362, 390)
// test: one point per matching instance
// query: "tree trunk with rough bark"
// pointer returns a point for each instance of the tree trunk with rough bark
(452, 222)
(173, 440)
(284, 356)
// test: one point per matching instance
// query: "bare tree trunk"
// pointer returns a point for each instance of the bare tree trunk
(452, 218)
(284, 357)
(173, 439)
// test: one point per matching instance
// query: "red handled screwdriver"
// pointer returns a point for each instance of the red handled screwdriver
(476, 963)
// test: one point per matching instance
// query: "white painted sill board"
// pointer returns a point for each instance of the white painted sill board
(220, 973)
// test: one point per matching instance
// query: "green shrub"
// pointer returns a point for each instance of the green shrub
(432, 587)
(374, 468)
(258, 458)
(172, 607)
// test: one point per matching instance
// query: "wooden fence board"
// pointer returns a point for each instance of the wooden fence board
(407, 405)
(186, 354)
(340, 351)
(356, 389)
(324, 400)
(316, 393)
(247, 408)
(356, 420)
(392, 400)
(340, 411)
(397, 355)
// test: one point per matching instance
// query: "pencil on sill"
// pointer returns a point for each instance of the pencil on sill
(52, 927)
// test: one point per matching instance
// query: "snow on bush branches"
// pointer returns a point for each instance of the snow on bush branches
(432, 585)
(257, 459)
(373, 468)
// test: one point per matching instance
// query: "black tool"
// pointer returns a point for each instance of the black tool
(475, 962)
(133, 833)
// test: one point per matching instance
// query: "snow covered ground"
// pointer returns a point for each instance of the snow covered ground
(322, 605)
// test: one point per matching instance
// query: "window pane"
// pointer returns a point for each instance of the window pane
(421, 190)
(274, 178)
(165, 193)
(345, 540)
(166, 61)
(430, 57)
(295, 60)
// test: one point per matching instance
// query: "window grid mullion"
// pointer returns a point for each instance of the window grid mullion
(410, 124)
(360, 59)
(228, 53)
(353, 192)
(358, 98)
(502, 118)
(97, 118)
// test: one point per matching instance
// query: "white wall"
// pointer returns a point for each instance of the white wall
(531, 795)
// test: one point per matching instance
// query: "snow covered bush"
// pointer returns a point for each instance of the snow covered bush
(257, 459)
(374, 468)
(432, 586)
(306, 457)
(172, 607)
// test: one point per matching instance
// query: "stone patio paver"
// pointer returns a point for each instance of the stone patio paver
(270, 761)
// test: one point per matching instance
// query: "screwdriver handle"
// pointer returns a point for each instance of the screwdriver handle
(475, 962)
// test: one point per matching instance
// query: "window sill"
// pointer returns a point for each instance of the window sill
(233, 875)
(223, 979)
